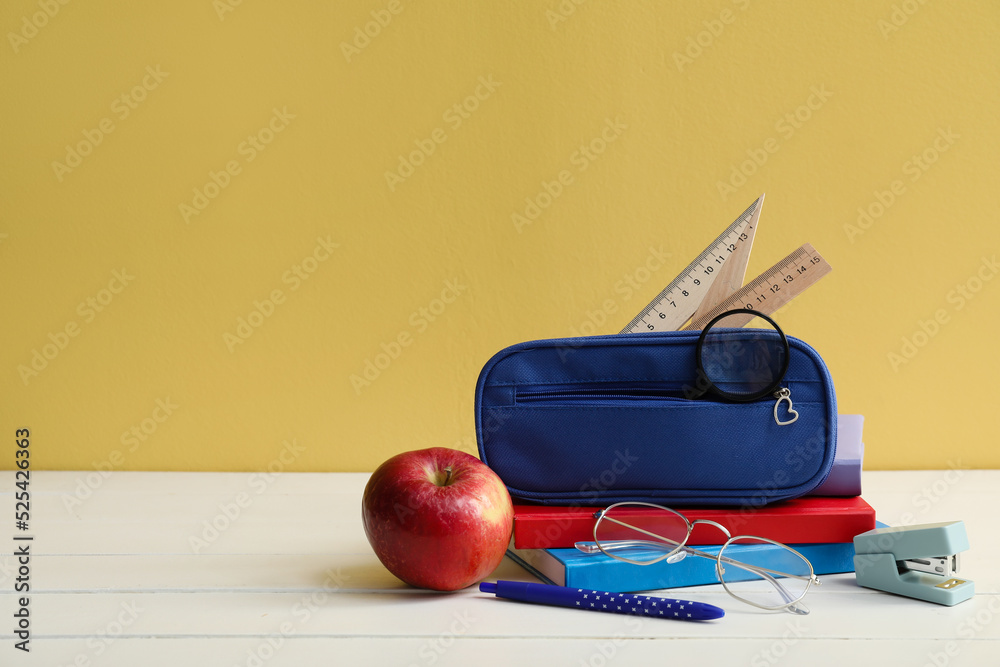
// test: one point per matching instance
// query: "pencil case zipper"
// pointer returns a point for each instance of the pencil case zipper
(600, 395)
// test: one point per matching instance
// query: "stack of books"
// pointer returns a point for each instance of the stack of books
(820, 527)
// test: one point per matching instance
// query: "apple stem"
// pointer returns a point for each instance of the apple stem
(447, 477)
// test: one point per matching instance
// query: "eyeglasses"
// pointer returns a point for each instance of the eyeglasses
(743, 364)
(755, 570)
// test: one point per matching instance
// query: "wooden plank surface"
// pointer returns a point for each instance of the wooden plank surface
(289, 579)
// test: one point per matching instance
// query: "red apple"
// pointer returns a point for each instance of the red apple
(437, 518)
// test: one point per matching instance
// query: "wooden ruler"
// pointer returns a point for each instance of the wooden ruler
(679, 300)
(772, 289)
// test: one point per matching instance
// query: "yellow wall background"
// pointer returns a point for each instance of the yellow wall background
(275, 125)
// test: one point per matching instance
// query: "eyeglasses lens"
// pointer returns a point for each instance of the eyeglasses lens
(788, 570)
(743, 361)
(640, 533)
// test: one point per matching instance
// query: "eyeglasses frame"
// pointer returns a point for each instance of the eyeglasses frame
(764, 573)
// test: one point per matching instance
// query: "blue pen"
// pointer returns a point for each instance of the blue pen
(613, 603)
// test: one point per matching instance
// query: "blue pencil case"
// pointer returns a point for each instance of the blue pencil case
(604, 419)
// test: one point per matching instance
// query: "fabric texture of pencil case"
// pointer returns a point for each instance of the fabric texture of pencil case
(604, 419)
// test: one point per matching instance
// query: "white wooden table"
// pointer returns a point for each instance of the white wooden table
(151, 569)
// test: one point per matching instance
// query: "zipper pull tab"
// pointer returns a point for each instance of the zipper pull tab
(784, 394)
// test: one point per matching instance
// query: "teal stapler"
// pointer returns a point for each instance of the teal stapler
(916, 561)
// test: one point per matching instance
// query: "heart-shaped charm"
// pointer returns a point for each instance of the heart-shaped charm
(784, 395)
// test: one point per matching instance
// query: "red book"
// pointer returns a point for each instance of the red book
(808, 520)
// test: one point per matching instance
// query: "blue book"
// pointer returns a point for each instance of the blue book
(570, 567)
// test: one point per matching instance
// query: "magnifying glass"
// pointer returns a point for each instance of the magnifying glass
(742, 361)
